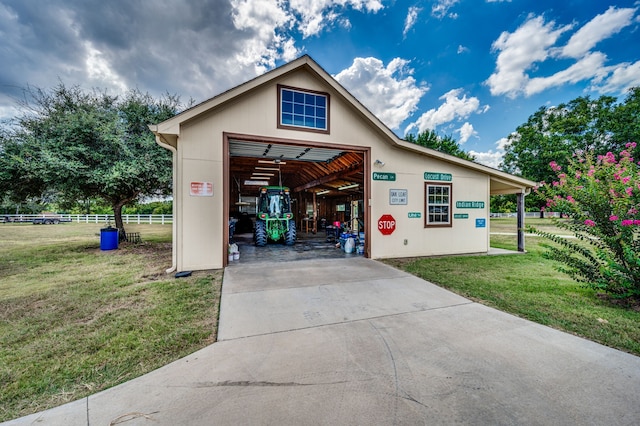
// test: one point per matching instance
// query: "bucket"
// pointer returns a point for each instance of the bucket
(108, 238)
(230, 257)
(236, 255)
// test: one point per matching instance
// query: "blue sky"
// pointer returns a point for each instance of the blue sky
(473, 69)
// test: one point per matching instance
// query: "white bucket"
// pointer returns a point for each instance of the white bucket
(236, 255)
(230, 257)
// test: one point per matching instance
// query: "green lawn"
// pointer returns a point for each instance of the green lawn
(527, 285)
(75, 320)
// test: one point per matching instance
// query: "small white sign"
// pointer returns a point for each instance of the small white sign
(398, 196)
(201, 189)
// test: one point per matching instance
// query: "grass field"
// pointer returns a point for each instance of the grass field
(529, 286)
(75, 320)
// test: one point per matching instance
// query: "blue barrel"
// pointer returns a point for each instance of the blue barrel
(108, 238)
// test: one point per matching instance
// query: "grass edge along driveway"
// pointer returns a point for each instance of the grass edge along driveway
(75, 320)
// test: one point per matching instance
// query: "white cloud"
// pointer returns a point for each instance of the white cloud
(466, 131)
(591, 66)
(411, 19)
(489, 158)
(599, 28)
(440, 8)
(502, 143)
(519, 50)
(390, 92)
(624, 77)
(99, 69)
(462, 49)
(455, 107)
(264, 18)
(316, 14)
(535, 41)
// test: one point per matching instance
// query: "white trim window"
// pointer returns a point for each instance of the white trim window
(438, 204)
(303, 109)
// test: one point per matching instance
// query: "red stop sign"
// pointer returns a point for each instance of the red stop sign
(386, 224)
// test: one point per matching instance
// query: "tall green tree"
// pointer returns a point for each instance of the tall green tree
(447, 144)
(90, 144)
(559, 133)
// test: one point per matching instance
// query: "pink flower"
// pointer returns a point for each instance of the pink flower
(627, 222)
(556, 183)
(589, 222)
(570, 199)
(630, 145)
(613, 217)
(554, 166)
(629, 191)
(578, 175)
(636, 222)
(591, 172)
(626, 179)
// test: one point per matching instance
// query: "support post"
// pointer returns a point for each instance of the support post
(520, 215)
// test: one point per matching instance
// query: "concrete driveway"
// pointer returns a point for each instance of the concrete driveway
(355, 342)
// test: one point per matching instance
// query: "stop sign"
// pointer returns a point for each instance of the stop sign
(386, 224)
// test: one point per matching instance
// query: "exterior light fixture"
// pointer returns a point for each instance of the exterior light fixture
(378, 163)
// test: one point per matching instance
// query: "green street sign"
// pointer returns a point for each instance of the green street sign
(461, 216)
(415, 215)
(443, 177)
(470, 204)
(384, 176)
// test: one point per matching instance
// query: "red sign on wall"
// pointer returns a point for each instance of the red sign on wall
(201, 189)
(386, 224)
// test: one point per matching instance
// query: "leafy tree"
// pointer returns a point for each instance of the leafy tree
(579, 126)
(446, 144)
(89, 144)
(601, 195)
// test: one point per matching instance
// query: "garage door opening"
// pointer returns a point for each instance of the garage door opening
(327, 189)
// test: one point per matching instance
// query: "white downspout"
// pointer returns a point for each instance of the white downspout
(174, 243)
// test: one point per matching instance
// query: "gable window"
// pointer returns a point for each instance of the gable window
(303, 109)
(438, 204)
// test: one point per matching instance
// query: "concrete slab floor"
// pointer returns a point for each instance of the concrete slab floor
(307, 246)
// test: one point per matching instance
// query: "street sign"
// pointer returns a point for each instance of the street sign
(444, 177)
(414, 215)
(470, 204)
(384, 176)
(386, 224)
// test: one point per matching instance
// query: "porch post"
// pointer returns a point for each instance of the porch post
(520, 215)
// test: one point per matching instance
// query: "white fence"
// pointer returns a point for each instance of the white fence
(160, 219)
(526, 214)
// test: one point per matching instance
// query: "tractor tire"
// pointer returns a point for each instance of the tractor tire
(290, 235)
(261, 233)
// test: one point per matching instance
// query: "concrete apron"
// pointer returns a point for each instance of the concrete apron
(353, 341)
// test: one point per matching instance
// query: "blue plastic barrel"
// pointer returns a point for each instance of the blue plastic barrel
(108, 238)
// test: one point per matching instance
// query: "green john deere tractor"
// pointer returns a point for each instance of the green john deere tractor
(274, 219)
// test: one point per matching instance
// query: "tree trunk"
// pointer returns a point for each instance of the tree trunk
(117, 215)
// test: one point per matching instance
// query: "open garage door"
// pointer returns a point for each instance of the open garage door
(327, 186)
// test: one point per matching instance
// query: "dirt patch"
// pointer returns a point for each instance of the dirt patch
(631, 303)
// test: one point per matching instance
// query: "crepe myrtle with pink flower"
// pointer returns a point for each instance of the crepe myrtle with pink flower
(600, 198)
